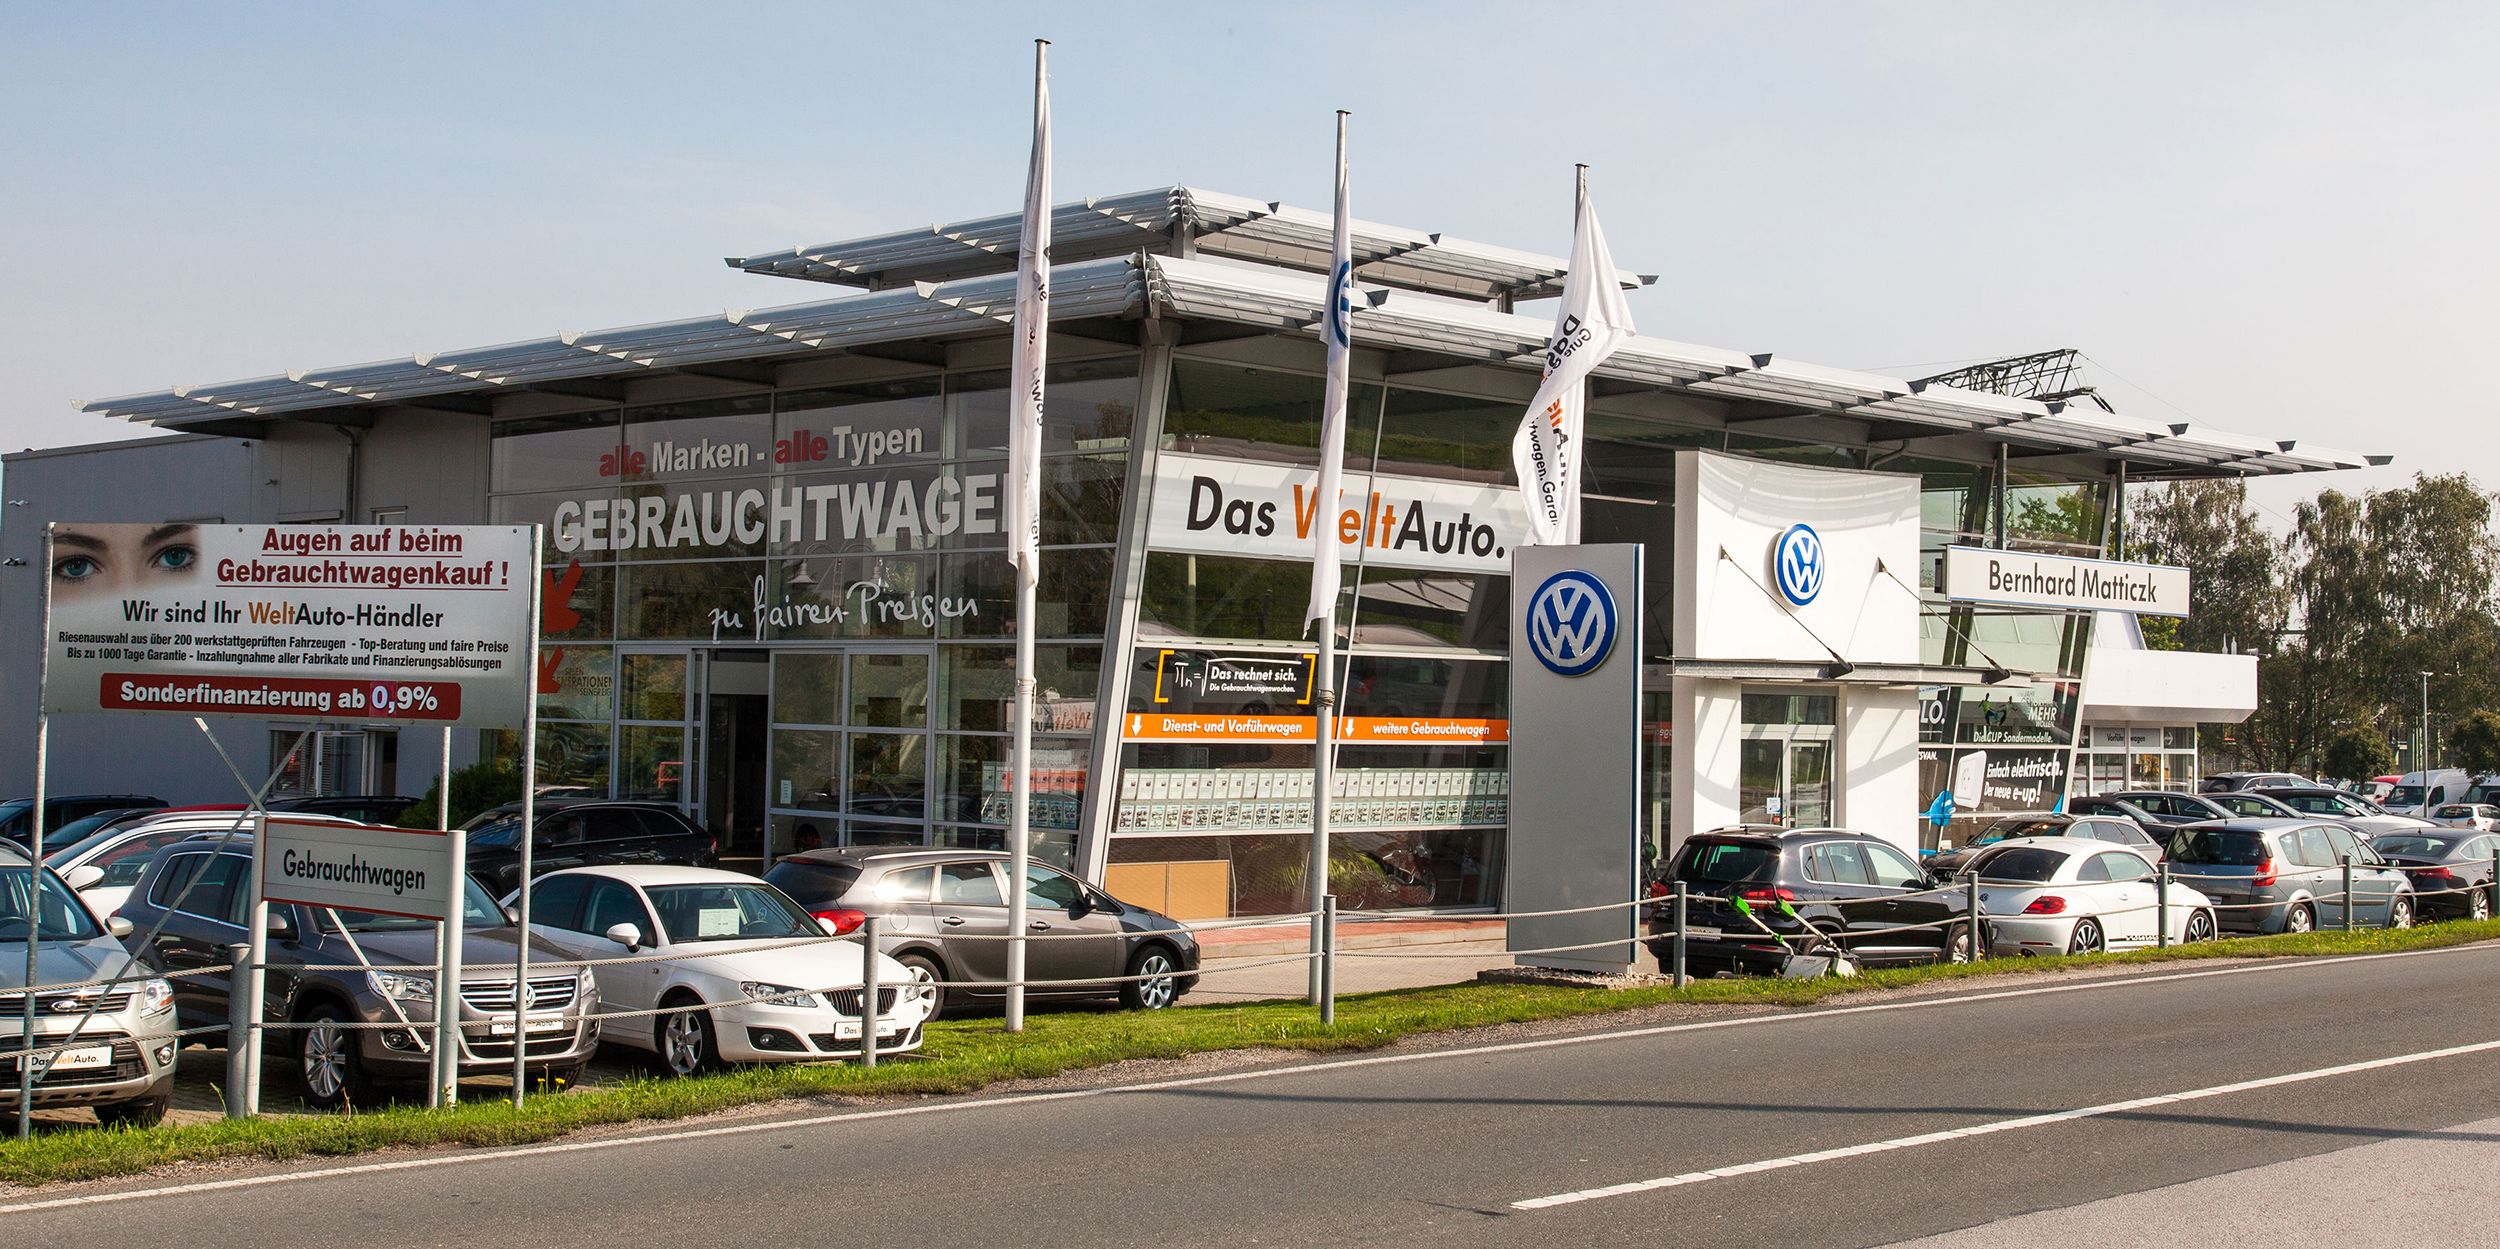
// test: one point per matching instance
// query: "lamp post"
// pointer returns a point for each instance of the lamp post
(2423, 762)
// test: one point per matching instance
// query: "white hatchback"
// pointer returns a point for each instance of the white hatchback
(2061, 895)
(742, 992)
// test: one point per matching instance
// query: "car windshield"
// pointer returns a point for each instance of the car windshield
(2453, 812)
(2021, 863)
(500, 831)
(1727, 862)
(2004, 829)
(73, 836)
(477, 910)
(62, 916)
(2413, 845)
(2218, 847)
(728, 912)
(2405, 796)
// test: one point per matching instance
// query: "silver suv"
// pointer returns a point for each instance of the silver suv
(120, 1058)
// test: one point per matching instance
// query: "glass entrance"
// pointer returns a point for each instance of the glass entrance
(850, 748)
(737, 693)
(654, 705)
(1784, 763)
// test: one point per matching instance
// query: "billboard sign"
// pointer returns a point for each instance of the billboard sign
(2026, 579)
(358, 867)
(1211, 506)
(381, 624)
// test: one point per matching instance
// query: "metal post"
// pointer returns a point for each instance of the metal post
(2491, 893)
(1323, 781)
(1978, 943)
(1327, 960)
(34, 887)
(1682, 895)
(529, 830)
(2348, 892)
(256, 976)
(1020, 794)
(447, 1001)
(2161, 905)
(238, 1022)
(868, 992)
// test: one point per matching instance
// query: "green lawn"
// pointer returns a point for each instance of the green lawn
(961, 1056)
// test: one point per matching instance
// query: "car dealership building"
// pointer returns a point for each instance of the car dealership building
(778, 593)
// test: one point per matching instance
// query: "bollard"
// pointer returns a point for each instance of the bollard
(238, 1024)
(1682, 893)
(2161, 905)
(1978, 943)
(2491, 896)
(2348, 893)
(1328, 959)
(868, 992)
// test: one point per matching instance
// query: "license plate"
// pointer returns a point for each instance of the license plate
(71, 1060)
(552, 1024)
(850, 1031)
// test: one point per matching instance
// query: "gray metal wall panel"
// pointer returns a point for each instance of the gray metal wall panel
(1575, 770)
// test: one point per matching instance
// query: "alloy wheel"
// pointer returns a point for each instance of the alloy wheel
(683, 1039)
(2300, 920)
(2478, 905)
(2086, 938)
(2400, 913)
(1159, 992)
(2200, 927)
(325, 1060)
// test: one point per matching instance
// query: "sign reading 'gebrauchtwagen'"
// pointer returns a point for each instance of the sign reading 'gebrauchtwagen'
(382, 624)
(358, 867)
(1980, 575)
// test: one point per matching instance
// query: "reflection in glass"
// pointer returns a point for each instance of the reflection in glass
(570, 756)
(859, 425)
(889, 775)
(890, 690)
(651, 763)
(807, 769)
(712, 602)
(541, 453)
(1758, 779)
(978, 688)
(1230, 409)
(565, 533)
(1428, 435)
(654, 687)
(1073, 599)
(1087, 406)
(807, 688)
(585, 681)
(700, 438)
(580, 602)
(719, 518)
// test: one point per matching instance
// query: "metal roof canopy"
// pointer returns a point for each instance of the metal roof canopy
(1268, 299)
(1180, 220)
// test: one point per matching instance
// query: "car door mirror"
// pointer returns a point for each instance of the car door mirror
(626, 935)
(1080, 906)
(119, 927)
(82, 879)
(282, 923)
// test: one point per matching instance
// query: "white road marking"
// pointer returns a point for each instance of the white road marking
(1990, 1129)
(1157, 1086)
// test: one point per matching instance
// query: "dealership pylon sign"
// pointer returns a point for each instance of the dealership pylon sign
(387, 624)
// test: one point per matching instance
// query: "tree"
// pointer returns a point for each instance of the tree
(2362, 752)
(2475, 743)
(486, 783)
(2234, 566)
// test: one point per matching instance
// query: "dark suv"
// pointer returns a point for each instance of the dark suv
(17, 816)
(2169, 806)
(382, 809)
(200, 893)
(927, 901)
(584, 834)
(1838, 881)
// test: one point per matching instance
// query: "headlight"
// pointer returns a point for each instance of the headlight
(777, 994)
(401, 988)
(155, 997)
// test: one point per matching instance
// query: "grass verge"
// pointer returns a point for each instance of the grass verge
(961, 1056)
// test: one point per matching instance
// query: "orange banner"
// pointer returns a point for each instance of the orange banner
(1162, 726)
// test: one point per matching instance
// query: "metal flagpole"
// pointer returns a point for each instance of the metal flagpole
(529, 832)
(1327, 559)
(1024, 469)
(34, 865)
(447, 958)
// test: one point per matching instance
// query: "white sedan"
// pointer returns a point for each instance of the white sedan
(2062, 895)
(739, 999)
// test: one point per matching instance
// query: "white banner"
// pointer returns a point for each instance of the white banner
(1592, 323)
(1325, 572)
(1030, 354)
(386, 624)
(1209, 506)
(1981, 575)
(358, 867)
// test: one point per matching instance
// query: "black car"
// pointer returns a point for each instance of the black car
(2227, 782)
(2451, 868)
(17, 816)
(2109, 828)
(582, 834)
(1839, 882)
(382, 809)
(2104, 804)
(927, 901)
(2170, 808)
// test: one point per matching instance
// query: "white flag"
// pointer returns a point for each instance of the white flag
(1325, 546)
(1024, 404)
(1593, 322)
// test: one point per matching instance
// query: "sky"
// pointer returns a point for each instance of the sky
(2273, 219)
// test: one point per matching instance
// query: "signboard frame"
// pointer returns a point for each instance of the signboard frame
(289, 873)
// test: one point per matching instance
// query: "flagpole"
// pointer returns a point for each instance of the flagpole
(1024, 452)
(1325, 562)
(1571, 516)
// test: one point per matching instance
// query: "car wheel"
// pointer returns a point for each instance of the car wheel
(2400, 912)
(145, 1112)
(1159, 989)
(925, 973)
(1958, 944)
(2086, 938)
(2200, 926)
(2300, 919)
(688, 1043)
(2478, 904)
(329, 1060)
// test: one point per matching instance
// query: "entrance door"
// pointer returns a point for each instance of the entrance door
(1784, 780)
(737, 698)
(850, 748)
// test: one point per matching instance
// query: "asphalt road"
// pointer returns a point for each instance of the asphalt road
(1438, 1147)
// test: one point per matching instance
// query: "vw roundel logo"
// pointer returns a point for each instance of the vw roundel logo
(1797, 564)
(1571, 623)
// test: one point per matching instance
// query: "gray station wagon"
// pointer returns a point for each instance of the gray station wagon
(2288, 875)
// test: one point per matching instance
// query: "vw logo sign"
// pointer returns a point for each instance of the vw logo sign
(1571, 623)
(529, 996)
(1797, 564)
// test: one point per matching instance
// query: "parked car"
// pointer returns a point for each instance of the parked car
(127, 1075)
(584, 834)
(2287, 875)
(2229, 782)
(17, 816)
(2249, 804)
(103, 865)
(2480, 816)
(2170, 808)
(2377, 788)
(2350, 809)
(199, 892)
(2067, 895)
(2107, 804)
(927, 900)
(2441, 862)
(2117, 831)
(384, 809)
(2416, 792)
(768, 1004)
(2486, 790)
(1837, 880)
